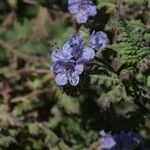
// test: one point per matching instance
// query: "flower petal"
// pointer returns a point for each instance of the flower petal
(99, 40)
(108, 142)
(61, 79)
(67, 51)
(102, 133)
(82, 17)
(79, 68)
(57, 55)
(76, 39)
(73, 1)
(73, 8)
(76, 43)
(58, 67)
(92, 10)
(88, 53)
(73, 79)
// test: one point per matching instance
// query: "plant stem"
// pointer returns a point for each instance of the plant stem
(105, 63)
(117, 12)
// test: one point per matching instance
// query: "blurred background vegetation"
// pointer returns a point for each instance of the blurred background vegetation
(35, 114)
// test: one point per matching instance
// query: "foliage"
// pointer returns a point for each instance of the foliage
(35, 113)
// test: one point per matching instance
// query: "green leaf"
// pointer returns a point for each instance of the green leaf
(33, 128)
(148, 81)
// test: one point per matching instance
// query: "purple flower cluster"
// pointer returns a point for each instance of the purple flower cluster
(82, 9)
(122, 141)
(69, 61)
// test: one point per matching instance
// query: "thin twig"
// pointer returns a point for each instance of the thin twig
(117, 12)
(29, 58)
(30, 71)
(29, 96)
(12, 120)
(31, 1)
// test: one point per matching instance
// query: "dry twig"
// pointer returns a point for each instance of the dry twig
(11, 50)
(12, 120)
(29, 96)
(117, 12)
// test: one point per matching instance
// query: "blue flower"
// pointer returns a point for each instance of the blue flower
(99, 40)
(61, 54)
(129, 140)
(82, 9)
(123, 141)
(108, 141)
(74, 49)
(69, 62)
(67, 71)
(79, 52)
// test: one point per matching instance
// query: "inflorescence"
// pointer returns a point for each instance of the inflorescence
(69, 61)
(82, 9)
(122, 141)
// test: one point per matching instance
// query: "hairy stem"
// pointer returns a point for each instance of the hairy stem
(105, 63)
(117, 12)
